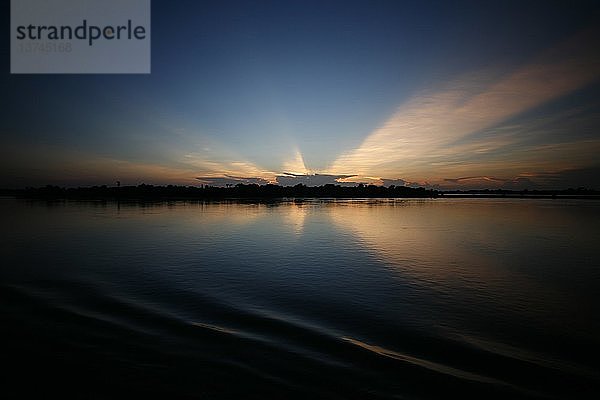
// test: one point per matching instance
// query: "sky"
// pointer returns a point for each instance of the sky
(450, 95)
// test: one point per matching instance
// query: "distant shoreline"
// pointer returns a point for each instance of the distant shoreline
(274, 192)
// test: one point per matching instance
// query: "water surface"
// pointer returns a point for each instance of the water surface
(359, 299)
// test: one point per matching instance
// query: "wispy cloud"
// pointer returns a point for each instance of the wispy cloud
(426, 134)
(210, 168)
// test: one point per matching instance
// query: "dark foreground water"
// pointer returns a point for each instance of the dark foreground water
(476, 298)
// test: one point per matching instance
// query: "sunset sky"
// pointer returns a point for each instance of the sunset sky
(440, 94)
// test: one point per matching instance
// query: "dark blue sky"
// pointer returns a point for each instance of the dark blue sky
(464, 94)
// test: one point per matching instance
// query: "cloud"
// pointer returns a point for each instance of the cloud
(286, 179)
(74, 169)
(569, 178)
(290, 179)
(426, 135)
(475, 178)
(230, 181)
(225, 168)
(46, 164)
(550, 179)
(487, 182)
(296, 165)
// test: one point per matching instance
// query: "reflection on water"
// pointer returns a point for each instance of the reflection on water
(321, 299)
(522, 251)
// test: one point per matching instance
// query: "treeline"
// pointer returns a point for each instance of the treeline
(254, 191)
(240, 191)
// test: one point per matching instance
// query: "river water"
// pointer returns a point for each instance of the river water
(332, 299)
